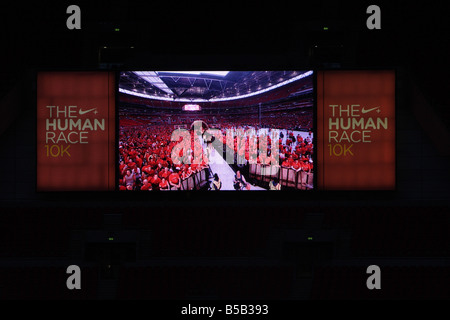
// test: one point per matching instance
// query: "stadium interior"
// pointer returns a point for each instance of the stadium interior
(281, 100)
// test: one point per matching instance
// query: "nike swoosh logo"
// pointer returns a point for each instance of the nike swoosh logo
(368, 110)
(86, 111)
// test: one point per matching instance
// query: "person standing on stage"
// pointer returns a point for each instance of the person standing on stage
(239, 181)
(274, 184)
(216, 184)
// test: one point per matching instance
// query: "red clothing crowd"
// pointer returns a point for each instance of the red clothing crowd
(147, 163)
(145, 156)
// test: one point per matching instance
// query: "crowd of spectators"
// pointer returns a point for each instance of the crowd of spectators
(145, 156)
(145, 153)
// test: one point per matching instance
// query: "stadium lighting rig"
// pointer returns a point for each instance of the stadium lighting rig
(296, 78)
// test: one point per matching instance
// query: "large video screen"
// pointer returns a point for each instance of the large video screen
(215, 130)
(356, 129)
(139, 131)
(76, 131)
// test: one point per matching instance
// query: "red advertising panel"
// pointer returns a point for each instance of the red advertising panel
(75, 131)
(356, 130)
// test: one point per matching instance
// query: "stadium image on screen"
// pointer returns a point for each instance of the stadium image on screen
(215, 130)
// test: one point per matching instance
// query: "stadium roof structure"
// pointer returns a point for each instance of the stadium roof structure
(204, 86)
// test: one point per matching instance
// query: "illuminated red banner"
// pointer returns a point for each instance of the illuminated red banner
(191, 107)
(356, 130)
(75, 131)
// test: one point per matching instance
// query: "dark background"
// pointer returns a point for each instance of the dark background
(288, 247)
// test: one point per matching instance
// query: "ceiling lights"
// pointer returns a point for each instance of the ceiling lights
(153, 78)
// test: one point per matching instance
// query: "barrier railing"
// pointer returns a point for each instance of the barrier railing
(288, 177)
(195, 181)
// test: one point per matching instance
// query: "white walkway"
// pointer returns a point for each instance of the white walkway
(218, 165)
